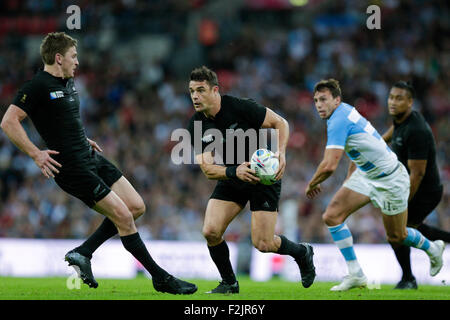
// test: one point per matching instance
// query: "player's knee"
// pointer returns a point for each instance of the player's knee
(123, 219)
(330, 219)
(137, 209)
(211, 235)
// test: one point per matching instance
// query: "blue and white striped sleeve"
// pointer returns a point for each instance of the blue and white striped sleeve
(337, 132)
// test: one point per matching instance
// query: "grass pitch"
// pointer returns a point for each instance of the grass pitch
(141, 288)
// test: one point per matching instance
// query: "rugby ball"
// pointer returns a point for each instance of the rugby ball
(265, 164)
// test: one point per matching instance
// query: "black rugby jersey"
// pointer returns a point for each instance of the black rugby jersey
(413, 139)
(53, 106)
(236, 118)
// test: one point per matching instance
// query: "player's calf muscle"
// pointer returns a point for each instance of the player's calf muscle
(264, 245)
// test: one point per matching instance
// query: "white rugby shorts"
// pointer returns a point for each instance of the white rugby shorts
(389, 193)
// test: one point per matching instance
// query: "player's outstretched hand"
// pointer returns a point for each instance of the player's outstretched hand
(94, 145)
(312, 192)
(246, 174)
(282, 165)
(46, 163)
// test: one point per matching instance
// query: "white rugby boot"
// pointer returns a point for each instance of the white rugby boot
(350, 282)
(436, 260)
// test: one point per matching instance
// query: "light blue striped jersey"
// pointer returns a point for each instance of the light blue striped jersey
(351, 132)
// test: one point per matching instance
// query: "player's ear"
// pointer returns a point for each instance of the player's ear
(58, 58)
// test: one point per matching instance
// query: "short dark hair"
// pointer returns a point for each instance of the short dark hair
(53, 43)
(205, 74)
(405, 85)
(330, 84)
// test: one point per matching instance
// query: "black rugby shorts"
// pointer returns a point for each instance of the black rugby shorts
(89, 182)
(261, 197)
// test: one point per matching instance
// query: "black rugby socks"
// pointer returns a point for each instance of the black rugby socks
(403, 257)
(104, 232)
(287, 247)
(133, 243)
(220, 254)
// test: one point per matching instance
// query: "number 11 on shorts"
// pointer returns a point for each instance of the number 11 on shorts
(387, 206)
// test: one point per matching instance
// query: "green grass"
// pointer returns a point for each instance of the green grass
(141, 288)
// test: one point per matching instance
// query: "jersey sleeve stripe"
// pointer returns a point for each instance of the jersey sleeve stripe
(333, 146)
(369, 128)
(354, 116)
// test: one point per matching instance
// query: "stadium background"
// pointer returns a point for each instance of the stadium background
(135, 58)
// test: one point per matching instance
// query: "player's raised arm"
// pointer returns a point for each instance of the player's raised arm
(11, 125)
(275, 121)
(217, 172)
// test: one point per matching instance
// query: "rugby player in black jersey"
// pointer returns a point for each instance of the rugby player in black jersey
(51, 101)
(237, 183)
(413, 142)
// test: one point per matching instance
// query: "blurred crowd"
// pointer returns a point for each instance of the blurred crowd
(135, 59)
